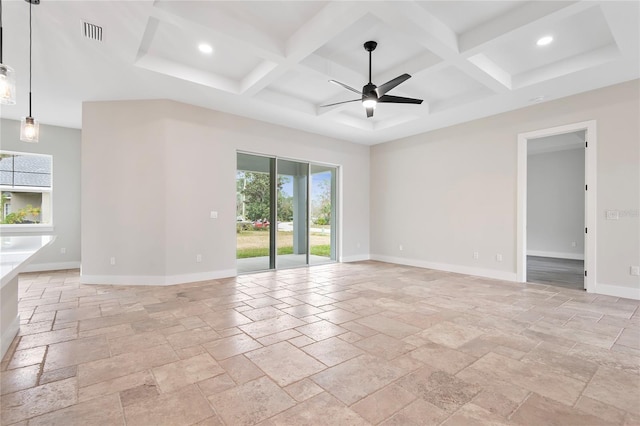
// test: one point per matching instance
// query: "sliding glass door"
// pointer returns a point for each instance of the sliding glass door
(293, 230)
(286, 213)
(254, 184)
(322, 231)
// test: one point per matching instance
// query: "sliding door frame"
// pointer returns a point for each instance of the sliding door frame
(335, 207)
(273, 212)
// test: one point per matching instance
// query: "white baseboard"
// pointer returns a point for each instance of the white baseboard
(156, 280)
(556, 254)
(618, 291)
(460, 269)
(57, 266)
(8, 335)
(356, 258)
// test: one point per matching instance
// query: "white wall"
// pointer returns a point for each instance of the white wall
(63, 144)
(555, 204)
(444, 194)
(152, 171)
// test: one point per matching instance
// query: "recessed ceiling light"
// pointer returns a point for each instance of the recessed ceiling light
(205, 48)
(543, 41)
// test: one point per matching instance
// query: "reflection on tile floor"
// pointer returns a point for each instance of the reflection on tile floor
(340, 344)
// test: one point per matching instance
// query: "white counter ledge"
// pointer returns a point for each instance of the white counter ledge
(15, 254)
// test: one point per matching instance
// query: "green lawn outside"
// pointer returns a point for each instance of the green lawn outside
(255, 243)
(320, 250)
(324, 250)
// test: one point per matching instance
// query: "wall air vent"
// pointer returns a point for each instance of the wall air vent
(91, 31)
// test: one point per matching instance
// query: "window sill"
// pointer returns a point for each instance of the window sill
(10, 229)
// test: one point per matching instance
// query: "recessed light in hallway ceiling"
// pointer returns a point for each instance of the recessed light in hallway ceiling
(545, 41)
(205, 48)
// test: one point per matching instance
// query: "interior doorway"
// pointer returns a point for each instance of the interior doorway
(286, 213)
(556, 206)
(555, 210)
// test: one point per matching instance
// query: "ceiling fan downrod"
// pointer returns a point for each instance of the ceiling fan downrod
(370, 46)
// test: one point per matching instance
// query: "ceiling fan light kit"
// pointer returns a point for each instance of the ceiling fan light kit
(371, 94)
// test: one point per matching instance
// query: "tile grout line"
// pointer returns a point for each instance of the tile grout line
(520, 405)
(585, 387)
(41, 369)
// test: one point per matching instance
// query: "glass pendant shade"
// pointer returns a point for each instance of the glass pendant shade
(29, 130)
(7, 85)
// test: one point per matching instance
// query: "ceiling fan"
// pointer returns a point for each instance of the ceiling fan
(372, 94)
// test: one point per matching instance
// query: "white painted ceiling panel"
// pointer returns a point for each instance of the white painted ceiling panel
(577, 34)
(273, 59)
(180, 45)
(462, 16)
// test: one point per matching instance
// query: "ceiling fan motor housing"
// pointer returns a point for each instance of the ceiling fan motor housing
(370, 46)
(369, 92)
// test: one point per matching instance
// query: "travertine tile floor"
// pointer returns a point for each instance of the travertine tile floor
(341, 344)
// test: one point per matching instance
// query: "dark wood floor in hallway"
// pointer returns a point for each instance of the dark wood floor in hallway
(566, 273)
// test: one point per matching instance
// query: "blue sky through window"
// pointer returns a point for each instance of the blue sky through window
(317, 180)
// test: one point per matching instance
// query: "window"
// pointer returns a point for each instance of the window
(25, 184)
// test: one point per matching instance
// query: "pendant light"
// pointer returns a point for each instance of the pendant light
(7, 76)
(29, 127)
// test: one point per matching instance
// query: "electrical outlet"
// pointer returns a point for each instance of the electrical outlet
(112, 261)
(499, 257)
(613, 215)
(358, 245)
(635, 270)
(63, 250)
(574, 244)
(198, 258)
(476, 255)
(213, 215)
(400, 247)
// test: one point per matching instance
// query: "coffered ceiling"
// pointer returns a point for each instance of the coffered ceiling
(272, 60)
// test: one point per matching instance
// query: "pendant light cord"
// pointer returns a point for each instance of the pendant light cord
(0, 31)
(30, 43)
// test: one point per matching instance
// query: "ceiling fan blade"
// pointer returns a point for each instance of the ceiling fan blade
(343, 102)
(384, 88)
(399, 100)
(369, 112)
(346, 87)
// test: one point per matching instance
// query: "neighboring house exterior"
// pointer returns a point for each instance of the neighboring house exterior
(25, 182)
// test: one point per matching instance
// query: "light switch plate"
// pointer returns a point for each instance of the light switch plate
(213, 215)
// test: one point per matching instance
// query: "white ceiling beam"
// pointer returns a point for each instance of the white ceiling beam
(181, 71)
(316, 32)
(409, 18)
(396, 121)
(467, 98)
(330, 21)
(624, 27)
(258, 74)
(492, 69)
(434, 36)
(273, 97)
(577, 63)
